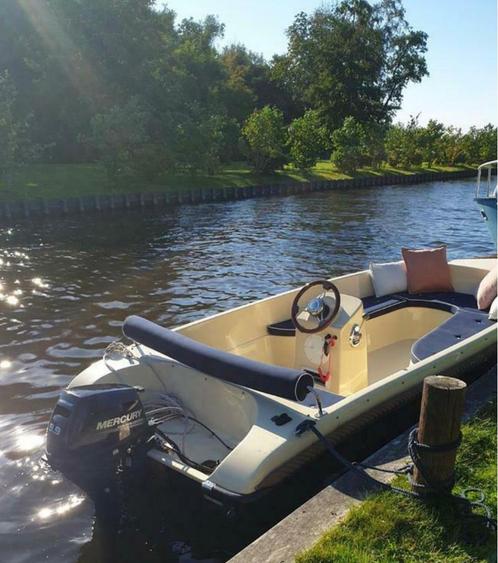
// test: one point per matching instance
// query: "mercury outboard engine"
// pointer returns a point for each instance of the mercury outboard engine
(97, 433)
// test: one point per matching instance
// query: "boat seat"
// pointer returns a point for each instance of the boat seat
(466, 319)
(376, 306)
(461, 325)
(283, 328)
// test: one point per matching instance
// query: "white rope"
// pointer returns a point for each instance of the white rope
(160, 407)
(119, 349)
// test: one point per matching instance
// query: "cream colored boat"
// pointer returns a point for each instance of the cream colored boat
(234, 431)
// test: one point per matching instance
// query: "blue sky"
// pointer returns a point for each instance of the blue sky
(462, 87)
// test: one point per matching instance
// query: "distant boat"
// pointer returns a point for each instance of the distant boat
(486, 194)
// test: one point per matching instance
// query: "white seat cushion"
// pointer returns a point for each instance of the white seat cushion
(389, 277)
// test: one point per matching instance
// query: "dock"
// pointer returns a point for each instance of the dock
(301, 529)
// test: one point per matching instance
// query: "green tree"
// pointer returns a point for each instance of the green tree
(487, 140)
(119, 135)
(251, 84)
(264, 135)
(201, 142)
(353, 59)
(479, 144)
(307, 139)
(431, 142)
(402, 144)
(15, 146)
(349, 145)
(374, 150)
(453, 148)
(243, 69)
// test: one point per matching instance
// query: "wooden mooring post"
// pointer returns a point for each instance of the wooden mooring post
(441, 413)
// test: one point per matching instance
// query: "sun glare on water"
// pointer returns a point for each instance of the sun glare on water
(38, 282)
(12, 300)
(29, 441)
(60, 508)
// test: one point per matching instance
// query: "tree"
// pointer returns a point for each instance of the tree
(402, 144)
(431, 142)
(478, 145)
(251, 85)
(307, 139)
(118, 135)
(264, 134)
(349, 145)
(15, 146)
(453, 149)
(200, 143)
(487, 143)
(374, 149)
(353, 59)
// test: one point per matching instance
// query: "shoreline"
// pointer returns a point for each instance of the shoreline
(40, 207)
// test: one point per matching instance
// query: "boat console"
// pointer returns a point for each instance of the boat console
(329, 337)
(365, 338)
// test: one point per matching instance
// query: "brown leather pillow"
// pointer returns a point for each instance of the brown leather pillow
(427, 270)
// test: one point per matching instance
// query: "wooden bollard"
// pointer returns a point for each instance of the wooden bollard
(441, 412)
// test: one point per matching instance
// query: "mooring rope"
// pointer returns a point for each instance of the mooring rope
(442, 489)
(416, 450)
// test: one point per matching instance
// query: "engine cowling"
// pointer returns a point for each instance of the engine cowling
(94, 431)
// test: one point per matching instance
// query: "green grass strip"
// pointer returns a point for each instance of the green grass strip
(388, 527)
(59, 181)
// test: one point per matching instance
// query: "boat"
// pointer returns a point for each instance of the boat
(486, 195)
(224, 400)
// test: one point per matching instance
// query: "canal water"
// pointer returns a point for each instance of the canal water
(68, 283)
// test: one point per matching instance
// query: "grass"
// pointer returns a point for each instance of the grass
(55, 181)
(388, 527)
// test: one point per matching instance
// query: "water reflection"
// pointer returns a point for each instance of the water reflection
(28, 441)
(61, 508)
(67, 285)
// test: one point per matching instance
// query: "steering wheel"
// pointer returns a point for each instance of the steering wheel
(319, 311)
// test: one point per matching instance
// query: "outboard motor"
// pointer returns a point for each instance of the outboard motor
(96, 434)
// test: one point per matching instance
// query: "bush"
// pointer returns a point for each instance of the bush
(264, 136)
(349, 145)
(307, 139)
(150, 160)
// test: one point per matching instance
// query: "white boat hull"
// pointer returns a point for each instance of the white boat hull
(364, 380)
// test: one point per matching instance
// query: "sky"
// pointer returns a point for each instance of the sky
(462, 49)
